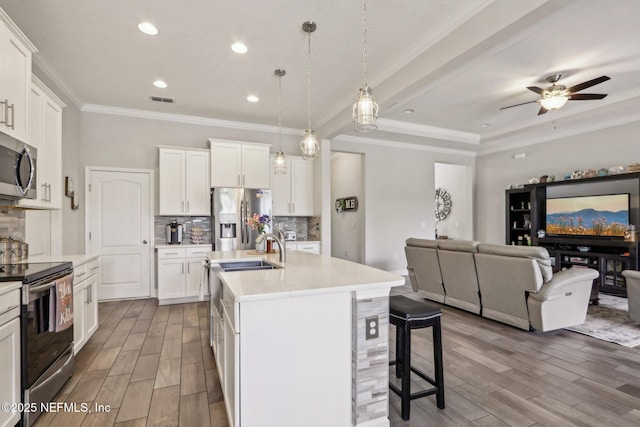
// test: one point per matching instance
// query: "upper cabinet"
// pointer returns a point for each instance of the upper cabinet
(292, 193)
(15, 79)
(44, 132)
(239, 164)
(184, 182)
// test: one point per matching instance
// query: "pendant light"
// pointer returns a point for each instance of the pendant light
(365, 109)
(309, 144)
(279, 162)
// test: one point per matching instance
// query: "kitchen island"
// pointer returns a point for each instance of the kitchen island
(303, 344)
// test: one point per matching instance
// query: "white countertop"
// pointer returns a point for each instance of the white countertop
(75, 259)
(302, 274)
(182, 245)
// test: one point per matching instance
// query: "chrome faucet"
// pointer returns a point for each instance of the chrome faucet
(279, 241)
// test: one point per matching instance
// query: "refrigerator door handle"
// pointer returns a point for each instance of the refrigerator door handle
(242, 221)
(246, 214)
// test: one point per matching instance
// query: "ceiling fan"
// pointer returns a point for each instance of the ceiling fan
(556, 96)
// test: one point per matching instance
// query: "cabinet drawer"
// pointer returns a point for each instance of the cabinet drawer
(171, 253)
(80, 273)
(313, 248)
(198, 252)
(93, 267)
(9, 305)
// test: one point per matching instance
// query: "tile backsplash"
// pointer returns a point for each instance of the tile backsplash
(307, 228)
(203, 222)
(12, 223)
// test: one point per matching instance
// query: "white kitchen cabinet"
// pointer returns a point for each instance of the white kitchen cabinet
(293, 192)
(45, 134)
(10, 354)
(85, 302)
(180, 274)
(311, 247)
(184, 182)
(15, 79)
(239, 164)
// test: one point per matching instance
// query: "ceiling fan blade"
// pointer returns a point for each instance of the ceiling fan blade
(516, 105)
(586, 96)
(535, 89)
(584, 85)
(542, 110)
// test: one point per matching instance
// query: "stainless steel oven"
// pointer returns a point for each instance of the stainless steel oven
(47, 354)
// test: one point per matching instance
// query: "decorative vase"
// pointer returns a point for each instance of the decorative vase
(269, 244)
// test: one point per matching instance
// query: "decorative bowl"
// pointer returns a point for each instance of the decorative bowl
(583, 248)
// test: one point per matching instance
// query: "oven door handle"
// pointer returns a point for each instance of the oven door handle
(46, 381)
(42, 287)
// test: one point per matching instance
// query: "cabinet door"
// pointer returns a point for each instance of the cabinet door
(172, 182)
(16, 83)
(194, 276)
(256, 166)
(51, 145)
(226, 164)
(281, 191)
(171, 278)
(10, 372)
(198, 187)
(79, 322)
(91, 305)
(301, 187)
(231, 365)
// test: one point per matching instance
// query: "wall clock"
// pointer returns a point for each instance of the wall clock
(443, 204)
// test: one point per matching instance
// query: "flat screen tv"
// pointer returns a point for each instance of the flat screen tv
(606, 216)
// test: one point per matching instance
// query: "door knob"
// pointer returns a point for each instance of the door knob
(145, 242)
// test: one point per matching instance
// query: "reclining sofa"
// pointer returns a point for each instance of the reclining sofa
(511, 284)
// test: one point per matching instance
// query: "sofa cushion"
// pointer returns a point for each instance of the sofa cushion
(458, 245)
(536, 253)
(422, 243)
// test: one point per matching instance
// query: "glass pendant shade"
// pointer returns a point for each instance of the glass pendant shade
(279, 164)
(309, 145)
(365, 110)
(553, 101)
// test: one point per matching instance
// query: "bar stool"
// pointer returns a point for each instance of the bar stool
(407, 314)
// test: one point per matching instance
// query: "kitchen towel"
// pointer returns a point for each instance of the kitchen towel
(64, 303)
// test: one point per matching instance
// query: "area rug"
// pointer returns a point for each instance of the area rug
(609, 321)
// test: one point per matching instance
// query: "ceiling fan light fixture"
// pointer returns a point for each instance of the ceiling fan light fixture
(554, 98)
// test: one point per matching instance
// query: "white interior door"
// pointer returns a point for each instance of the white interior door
(119, 229)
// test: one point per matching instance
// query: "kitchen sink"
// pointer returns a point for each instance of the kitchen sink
(246, 266)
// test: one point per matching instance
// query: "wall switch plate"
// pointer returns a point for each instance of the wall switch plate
(371, 327)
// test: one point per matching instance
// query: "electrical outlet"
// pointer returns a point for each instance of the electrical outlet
(371, 327)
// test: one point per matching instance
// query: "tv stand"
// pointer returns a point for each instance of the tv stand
(609, 257)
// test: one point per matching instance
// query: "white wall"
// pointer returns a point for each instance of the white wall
(495, 172)
(347, 228)
(458, 181)
(398, 197)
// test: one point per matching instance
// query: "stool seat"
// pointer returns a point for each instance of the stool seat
(410, 309)
(407, 314)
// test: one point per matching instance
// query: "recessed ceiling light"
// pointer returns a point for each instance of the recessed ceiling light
(148, 28)
(409, 111)
(252, 98)
(485, 125)
(160, 84)
(239, 47)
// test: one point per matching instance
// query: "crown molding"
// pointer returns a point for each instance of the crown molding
(53, 76)
(36, 81)
(395, 144)
(427, 131)
(192, 120)
(17, 31)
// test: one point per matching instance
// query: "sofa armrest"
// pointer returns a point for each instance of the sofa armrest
(563, 281)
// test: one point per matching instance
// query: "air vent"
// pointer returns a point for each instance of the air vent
(161, 99)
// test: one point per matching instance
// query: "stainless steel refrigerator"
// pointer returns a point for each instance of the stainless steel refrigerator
(230, 210)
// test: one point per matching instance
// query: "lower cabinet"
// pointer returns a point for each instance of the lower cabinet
(10, 356)
(311, 247)
(179, 273)
(85, 303)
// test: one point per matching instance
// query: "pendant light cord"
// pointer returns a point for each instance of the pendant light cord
(279, 113)
(364, 42)
(309, 81)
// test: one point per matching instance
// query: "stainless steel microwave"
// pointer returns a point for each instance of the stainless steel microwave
(17, 169)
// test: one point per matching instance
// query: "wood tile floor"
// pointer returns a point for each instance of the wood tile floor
(153, 366)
